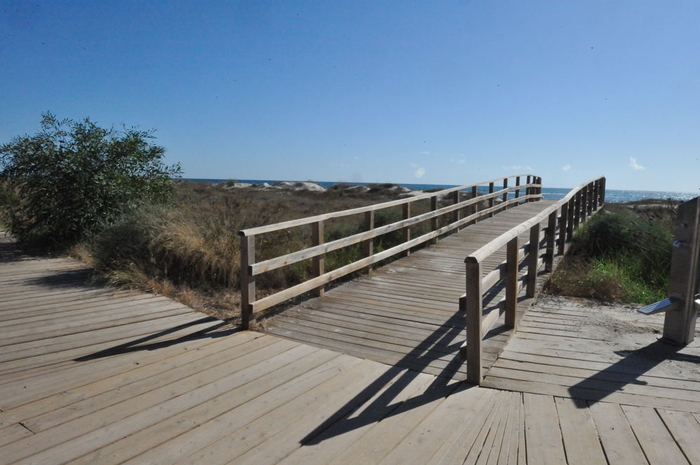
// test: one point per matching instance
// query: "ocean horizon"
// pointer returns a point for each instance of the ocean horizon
(549, 193)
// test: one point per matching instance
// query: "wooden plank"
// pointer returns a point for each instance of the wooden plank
(685, 429)
(581, 442)
(323, 447)
(657, 443)
(12, 433)
(543, 436)
(620, 444)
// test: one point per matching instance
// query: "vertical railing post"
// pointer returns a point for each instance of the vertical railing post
(577, 210)
(434, 222)
(474, 208)
(505, 194)
(247, 252)
(517, 184)
(317, 235)
(563, 221)
(369, 226)
(570, 219)
(551, 241)
(491, 200)
(473, 321)
(407, 229)
(584, 204)
(679, 323)
(511, 282)
(528, 189)
(532, 258)
(601, 188)
(596, 194)
(457, 214)
(591, 196)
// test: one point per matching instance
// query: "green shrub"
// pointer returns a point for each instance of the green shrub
(618, 257)
(72, 178)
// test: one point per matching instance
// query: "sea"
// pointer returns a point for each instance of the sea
(548, 193)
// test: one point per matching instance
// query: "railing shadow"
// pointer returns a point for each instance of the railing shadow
(626, 371)
(142, 344)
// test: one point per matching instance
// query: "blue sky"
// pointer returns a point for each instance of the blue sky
(439, 92)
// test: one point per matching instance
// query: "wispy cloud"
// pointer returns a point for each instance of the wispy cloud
(419, 173)
(517, 168)
(425, 153)
(634, 165)
(413, 165)
(566, 167)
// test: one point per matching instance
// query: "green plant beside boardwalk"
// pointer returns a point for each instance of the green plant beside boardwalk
(73, 178)
(620, 255)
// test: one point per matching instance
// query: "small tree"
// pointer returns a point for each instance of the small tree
(72, 178)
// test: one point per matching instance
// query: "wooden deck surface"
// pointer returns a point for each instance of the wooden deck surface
(100, 376)
(406, 313)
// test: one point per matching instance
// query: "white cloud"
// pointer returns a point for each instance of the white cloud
(419, 173)
(517, 168)
(634, 165)
(413, 165)
(566, 167)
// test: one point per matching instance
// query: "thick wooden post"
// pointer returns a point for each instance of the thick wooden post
(407, 229)
(551, 241)
(591, 196)
(679, 324)
(584, 204)
(369, 225)
(528, 190)
(577, 210)
(596, 195)
(491, 200)
(317, 233)
(563, 225)
(505, 194)
(601, 189)
(517, 184)
(511, 282)
(474, 208)
(532, 259)
(474, 317)
(247, 252)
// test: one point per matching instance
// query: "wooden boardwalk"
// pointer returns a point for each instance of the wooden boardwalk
(407, 313)
(101, 376)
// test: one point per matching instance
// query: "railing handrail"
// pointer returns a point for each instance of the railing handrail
(499, 242)
(379, 206)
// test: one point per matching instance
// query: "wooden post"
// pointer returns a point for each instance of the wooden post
(563, 227)
(473, 317)
(456, 215)
(679, 324)
(434, 223)
(584, 204)
(596, 195)
(247, 252)
(317, 233)
(491, 200)
(551, 241)
(601, 188)
(407, 229)
(517, 184)
(369, 225)
(528, 190)
(577, 210)
(512, 282)
(591, 197)
(505, 194)
(473, 209)
(570, 220)
(532, 259)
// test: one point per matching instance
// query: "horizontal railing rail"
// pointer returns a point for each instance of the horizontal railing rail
(498, 191)
(563, 217)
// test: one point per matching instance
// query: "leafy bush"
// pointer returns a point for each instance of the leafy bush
(72, 178)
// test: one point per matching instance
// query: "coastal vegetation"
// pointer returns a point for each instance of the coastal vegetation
(73, 178)
(623, 254)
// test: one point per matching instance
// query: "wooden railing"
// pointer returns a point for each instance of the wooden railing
(523, 261)
(509, 195)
